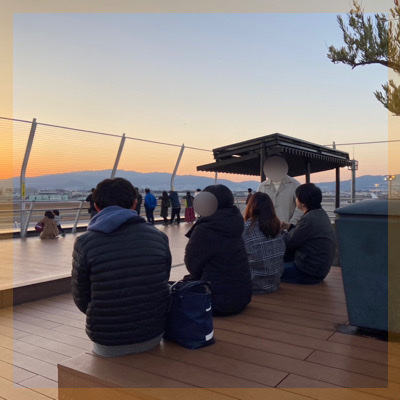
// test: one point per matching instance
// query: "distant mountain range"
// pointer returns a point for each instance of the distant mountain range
(83, 181)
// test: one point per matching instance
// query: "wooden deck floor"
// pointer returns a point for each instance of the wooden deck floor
(284, 346)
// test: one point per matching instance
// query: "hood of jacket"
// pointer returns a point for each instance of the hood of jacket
(225, 221)
(111, 218)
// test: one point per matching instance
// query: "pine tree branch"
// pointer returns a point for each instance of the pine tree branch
(384, 63)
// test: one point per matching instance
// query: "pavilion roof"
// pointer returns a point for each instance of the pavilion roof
(245, 157)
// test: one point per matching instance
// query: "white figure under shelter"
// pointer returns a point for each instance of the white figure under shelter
(281, 188)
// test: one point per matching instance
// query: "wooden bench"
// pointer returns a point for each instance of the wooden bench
(286, 339)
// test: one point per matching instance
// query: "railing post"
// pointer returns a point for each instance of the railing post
(78, 214)
(25, 222)
(22, 177)
(176, 166)
(121, 147)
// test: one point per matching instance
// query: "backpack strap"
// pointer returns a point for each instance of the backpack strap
(181, 290)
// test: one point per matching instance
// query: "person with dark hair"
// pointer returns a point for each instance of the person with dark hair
(249, 194)
(150, 203)
(175, 207)
(189, 210)
(139, 201)
(216, 252)
(57, 218)
(264, 244)
(91, 210)
(165, 204)
(120, 273)
(50, 230)
(311, 244)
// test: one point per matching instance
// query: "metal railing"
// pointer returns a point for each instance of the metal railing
(38, 147)
(74, 213)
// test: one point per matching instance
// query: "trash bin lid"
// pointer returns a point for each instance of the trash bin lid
(371, 207)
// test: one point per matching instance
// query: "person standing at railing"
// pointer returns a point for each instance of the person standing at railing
(189, 210)
(92, 209)
(165, 204)
(139, 202)
(150, 203)
(176, 207)
(249, 194)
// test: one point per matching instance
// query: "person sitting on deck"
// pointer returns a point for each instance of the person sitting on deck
(50, 230)
(264, 244)
(216, 252)
(311, 244)
(120, 273)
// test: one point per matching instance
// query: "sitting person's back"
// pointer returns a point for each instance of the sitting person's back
(50, 230)
(120, 274)
(264, 245)
(311, 244)
(216, 251)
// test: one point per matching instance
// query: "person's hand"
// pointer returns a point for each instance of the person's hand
(285, 225)
(189, 277)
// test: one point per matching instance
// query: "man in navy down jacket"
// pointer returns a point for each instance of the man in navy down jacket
(120, 273)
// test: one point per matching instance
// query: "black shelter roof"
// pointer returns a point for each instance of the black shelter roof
(247, 157)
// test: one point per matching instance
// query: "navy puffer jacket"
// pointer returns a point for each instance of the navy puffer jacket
(120, 275)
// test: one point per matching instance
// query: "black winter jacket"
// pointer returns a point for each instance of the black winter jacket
(312, 244)
(120, 281)
(216, 253)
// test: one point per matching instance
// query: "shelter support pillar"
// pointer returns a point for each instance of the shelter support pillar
(262, 161)
(337, 194)
(308, 171)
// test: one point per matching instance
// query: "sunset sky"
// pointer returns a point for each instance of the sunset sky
(203, 79)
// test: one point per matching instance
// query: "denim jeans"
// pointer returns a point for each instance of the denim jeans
(291, 274)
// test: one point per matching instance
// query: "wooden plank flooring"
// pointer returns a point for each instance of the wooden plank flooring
(284, 346)
(260, 350)
(22, 260)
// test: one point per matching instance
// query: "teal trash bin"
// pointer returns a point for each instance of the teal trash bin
(368, 236)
